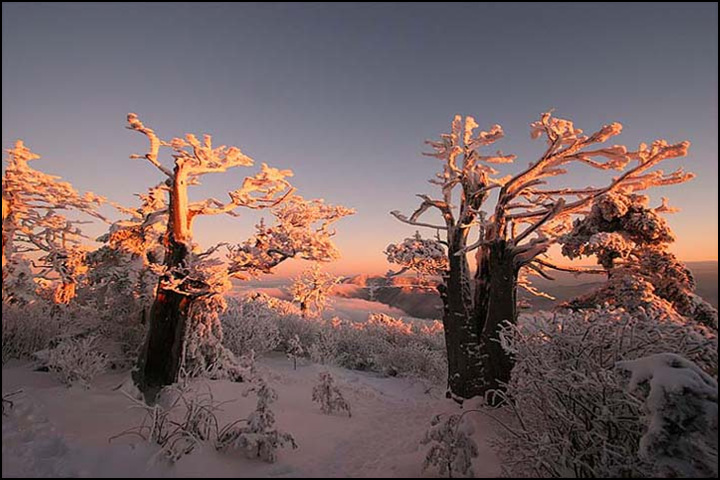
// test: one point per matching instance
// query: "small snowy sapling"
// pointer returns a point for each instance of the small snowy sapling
(452, 447)
(259, 438)
(294, 350)
(328, 395)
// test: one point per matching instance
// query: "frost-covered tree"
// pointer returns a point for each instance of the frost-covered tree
(513, 220)
(452, 446)
(302, 230)
(329, 396)
(259, 438)
(185, 331)
(311, 290)
(34, 223)
(630, 241)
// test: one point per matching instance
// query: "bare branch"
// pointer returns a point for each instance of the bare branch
(551, 213)
(404, 219)
(134, 123)
(577, 270)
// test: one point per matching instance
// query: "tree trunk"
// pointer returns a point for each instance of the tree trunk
(500, 307)
(461, 334)
(161, 358)
(163, 354)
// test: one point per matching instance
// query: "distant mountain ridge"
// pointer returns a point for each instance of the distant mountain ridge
(420, 299)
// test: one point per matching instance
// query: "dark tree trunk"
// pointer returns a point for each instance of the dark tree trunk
(163, 353)
(461, 334)
(501, 307)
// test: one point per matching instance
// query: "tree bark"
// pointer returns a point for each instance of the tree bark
(161, 358)
(163, 353)
(461, 334)
(500, 307)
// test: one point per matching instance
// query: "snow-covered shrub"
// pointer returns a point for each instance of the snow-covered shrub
(259, 438)
(681, 405)
(19, 287)
(205, 353)
(382, 344)
(574, 417)
(250, 325)
(414, 360)
(76, 360)
(452, 447)
(324, 348)
(291, 323)
(294, 350)
(393, 347)
(329, 396)
(28, 329)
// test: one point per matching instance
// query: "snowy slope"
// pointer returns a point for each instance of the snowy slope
(55, 431)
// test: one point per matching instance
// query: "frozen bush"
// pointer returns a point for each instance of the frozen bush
(250, 325)
(28, 329)
(76, 360)
(414, 360)
(573, 415)
(681, 436)
(325, 345)
(329, 396)
(383, 344)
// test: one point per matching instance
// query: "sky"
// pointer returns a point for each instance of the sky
(345, 95)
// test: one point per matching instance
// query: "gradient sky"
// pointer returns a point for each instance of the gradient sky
(345, 95)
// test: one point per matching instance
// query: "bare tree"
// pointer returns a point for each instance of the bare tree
(514, 232)
(185, 331)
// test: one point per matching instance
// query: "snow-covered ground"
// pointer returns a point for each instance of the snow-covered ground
(55, 431)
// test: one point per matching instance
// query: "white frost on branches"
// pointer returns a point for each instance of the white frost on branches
(302, 230)
(34, 222)
(424, 256)
(311, 290)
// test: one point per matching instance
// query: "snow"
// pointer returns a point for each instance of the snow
(55, 431)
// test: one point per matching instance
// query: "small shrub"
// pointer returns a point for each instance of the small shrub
(248, 325)
(259, 438)
(76, 361)
(452, 447)
(27, 330)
